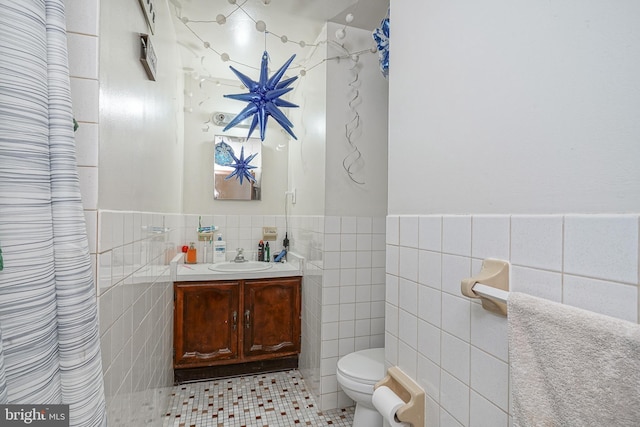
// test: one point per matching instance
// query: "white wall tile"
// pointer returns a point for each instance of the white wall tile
(379, 225)
(392, 289)
(456, 314)
(490, 236)
(409, 231)
(393, 230)
(408, 296)
(455, 357)
(349, 224)
(490, 378)
(429, 341)
(456, 234)
(489, 332)
(330, 277)
(484, 414)
(447, 420)
(86, 138)
(454, 398)
(392, 263)
(331, 242)
(430, 305)
(602, 247)
(88, 177)
(347, 294)
(430, 268)
(364, 225)
(407, 359)
(347, 311)
(331, 295)
(391, 349)
(408, 263)
(363, 310)
(454, 270)
(391, 318)
(347, 259)
(348, 242)
(362, 327)
(364, 242)
(613, 299)
(83, 56)
(539, 283)
(91, 221)
(82, 16)
(330, 331)
(363, 259)
(428, 377)
(430, 234)
(536, 241)
(408, 328)
(84, 98)
(347, 277)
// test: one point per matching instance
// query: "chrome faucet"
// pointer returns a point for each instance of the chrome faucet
(239, 256)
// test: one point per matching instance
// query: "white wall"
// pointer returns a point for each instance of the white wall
(307, 153)
(501, 107)
(356, 88)
(504, 112)
(141, 136)
(207, 98)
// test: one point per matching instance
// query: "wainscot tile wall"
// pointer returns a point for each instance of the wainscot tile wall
(457, 351)
(343, 295)
(135, 300)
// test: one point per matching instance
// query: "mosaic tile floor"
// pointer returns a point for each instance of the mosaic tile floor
(278, 399)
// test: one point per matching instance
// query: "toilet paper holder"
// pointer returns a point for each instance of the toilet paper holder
(410, 392)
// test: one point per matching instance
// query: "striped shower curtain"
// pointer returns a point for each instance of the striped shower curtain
(49, 345)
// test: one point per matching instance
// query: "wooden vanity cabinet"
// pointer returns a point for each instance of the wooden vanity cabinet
(205, 323)
(272, 318)
(226, 328)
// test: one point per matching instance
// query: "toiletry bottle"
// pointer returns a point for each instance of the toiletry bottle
(219, 249)
(261, 251)
(192, 256)
(267, 252)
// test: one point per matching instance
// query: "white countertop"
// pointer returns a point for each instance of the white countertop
(198, 272)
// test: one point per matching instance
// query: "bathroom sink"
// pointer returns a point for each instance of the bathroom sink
(241, 266)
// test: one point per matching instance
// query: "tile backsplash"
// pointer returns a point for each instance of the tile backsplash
(456, 350)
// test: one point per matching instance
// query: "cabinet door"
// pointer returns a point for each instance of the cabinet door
(206, 323)
(271, 317)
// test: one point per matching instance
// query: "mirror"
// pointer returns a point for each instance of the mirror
(229, 182)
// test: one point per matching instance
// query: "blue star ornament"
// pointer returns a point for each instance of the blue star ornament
(381, 37)
(264, 98)
(242, 167)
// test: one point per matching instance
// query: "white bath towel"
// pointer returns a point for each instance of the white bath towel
(571, 367)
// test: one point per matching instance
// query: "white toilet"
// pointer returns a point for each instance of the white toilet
(357, 374)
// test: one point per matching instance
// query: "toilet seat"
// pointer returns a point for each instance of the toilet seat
(362, 369)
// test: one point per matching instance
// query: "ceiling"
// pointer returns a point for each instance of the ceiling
(202, 44)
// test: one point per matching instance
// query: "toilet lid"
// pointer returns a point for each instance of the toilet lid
(363, 365)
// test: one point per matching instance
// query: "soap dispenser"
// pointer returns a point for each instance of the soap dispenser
(192, 256)
(219, 249)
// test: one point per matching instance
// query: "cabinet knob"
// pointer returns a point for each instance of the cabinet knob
(247, 319)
